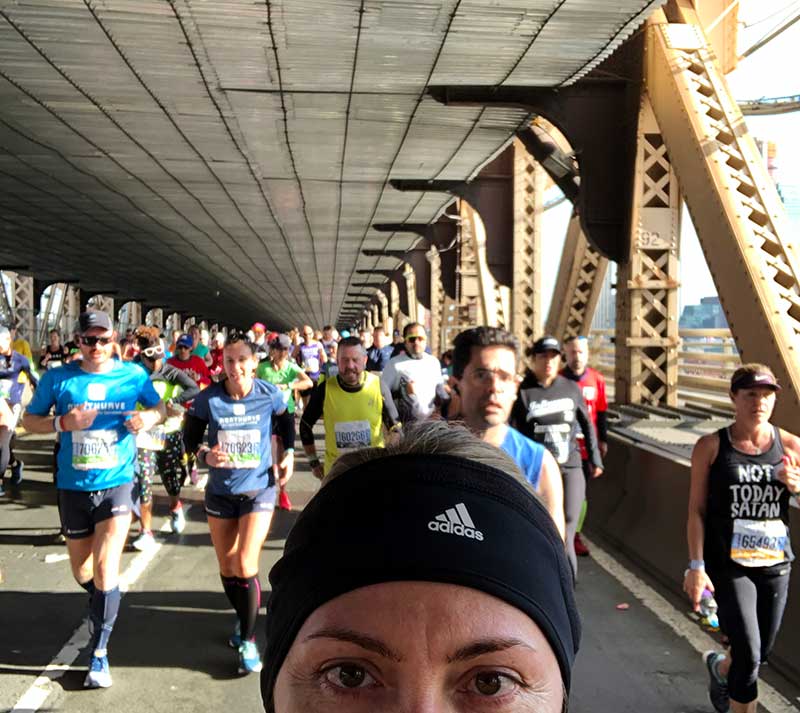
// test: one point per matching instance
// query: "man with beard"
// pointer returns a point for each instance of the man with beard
(352, 408)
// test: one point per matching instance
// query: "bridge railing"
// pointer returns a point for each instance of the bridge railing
(706, 360)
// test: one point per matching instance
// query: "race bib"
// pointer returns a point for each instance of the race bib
(758, 543)
(243, 447)
(312, 365)
(556, 440)
(351, 435)
(54, 364)
(152, 440)
(94, 450)
(5, 388)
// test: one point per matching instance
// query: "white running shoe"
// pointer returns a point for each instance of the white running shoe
(99, 675)
(177, 521)
(144, 542)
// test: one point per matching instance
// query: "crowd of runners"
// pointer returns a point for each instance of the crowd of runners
(127, 411)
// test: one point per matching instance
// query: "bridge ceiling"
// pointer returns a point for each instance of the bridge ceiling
(228, 158)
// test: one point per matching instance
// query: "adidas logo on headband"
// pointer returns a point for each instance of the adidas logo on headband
(456, 521)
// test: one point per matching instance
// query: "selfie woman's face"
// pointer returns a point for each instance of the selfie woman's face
(421, 647)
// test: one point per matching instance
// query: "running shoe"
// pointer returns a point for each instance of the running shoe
(99, 675)
(249, 660)
(177, 520)
(235, 639)
(144, 542)
(717, 686)
(16, 472)
(283, 501)
(580, 546)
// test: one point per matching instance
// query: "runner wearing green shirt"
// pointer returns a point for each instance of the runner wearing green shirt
(286, 375)
(198, 348)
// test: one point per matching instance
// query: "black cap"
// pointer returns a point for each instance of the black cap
(282, 341)
(546, 344)
(750, 380)
(95, 320)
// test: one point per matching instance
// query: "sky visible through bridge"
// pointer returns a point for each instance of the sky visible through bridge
(769, 72)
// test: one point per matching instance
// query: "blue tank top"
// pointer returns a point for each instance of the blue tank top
(527, 454)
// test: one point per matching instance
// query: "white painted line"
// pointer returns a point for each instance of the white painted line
(768, 697)
(38, 692)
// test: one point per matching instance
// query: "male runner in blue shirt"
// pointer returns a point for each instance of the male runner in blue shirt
(94, 402)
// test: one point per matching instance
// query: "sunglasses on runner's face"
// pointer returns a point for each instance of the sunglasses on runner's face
(92, 341)
(153, 352)
(183, 346)
(415, 339)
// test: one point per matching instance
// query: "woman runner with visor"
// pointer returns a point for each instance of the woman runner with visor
(738, 531)
(240, 495)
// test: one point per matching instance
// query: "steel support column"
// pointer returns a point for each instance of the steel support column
(50, 315)
(102, 303)
(155, 318)
(735, 207)
(577, 290)
(72, 310)
(526, 303)
(19, 304)
(647, 286)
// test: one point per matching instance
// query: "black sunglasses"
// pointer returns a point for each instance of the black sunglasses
(415, 339)
(92, 341)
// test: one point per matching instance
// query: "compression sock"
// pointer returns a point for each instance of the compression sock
(584, 508)
(233, 592)
(103, 613)
(251, 588)
(88, 585)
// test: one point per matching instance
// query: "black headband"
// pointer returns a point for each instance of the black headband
(428, 518)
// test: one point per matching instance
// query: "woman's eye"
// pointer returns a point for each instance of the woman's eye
(348, 676)
(492, 683)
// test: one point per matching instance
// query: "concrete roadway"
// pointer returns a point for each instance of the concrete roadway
(168, 651)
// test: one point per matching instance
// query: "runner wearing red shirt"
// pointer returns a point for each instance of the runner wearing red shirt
(593, 389)
(195, 366)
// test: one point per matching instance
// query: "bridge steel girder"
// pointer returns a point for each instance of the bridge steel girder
(154, 317)
(103, 302)
(19, 304)
(443, 235)
(577, 290)
(416, 259)
(735, 207)
(647, 339)
(395, 277)
(526, 301)
(491, 195)
(598, 116)
(51, 315)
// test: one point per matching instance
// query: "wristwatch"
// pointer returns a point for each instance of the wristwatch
(314, 462)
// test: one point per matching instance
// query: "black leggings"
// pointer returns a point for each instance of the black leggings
(751, 601)
(574, 495)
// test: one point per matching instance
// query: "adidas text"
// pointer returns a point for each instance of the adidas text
(455, 530)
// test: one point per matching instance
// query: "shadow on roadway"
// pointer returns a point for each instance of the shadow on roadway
(155, 630)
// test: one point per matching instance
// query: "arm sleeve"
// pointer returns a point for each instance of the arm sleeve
(194, 429)
(389, 412)
(587, 428)
(311, 415)
(189, 386)
(388, 401)
(389, 378)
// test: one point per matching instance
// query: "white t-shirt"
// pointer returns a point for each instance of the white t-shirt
(426, 373)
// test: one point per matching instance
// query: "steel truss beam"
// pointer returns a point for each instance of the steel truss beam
(734, 204)
(578, 287)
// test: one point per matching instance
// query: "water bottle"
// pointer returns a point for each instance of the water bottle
(708, 609)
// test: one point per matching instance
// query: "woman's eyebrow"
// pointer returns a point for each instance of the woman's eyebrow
(486, 646)
(354, 637)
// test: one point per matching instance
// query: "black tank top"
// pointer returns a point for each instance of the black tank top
(747, 511)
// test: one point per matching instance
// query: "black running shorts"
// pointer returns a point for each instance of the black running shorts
(81, 510)
(230, 507)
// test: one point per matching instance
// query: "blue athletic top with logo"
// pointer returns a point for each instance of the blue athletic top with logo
(527, 454)
(102, 456)
(243, 430)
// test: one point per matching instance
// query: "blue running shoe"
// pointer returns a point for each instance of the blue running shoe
(99, 675)
(235, 640)
(249, 660)
(717, 686)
